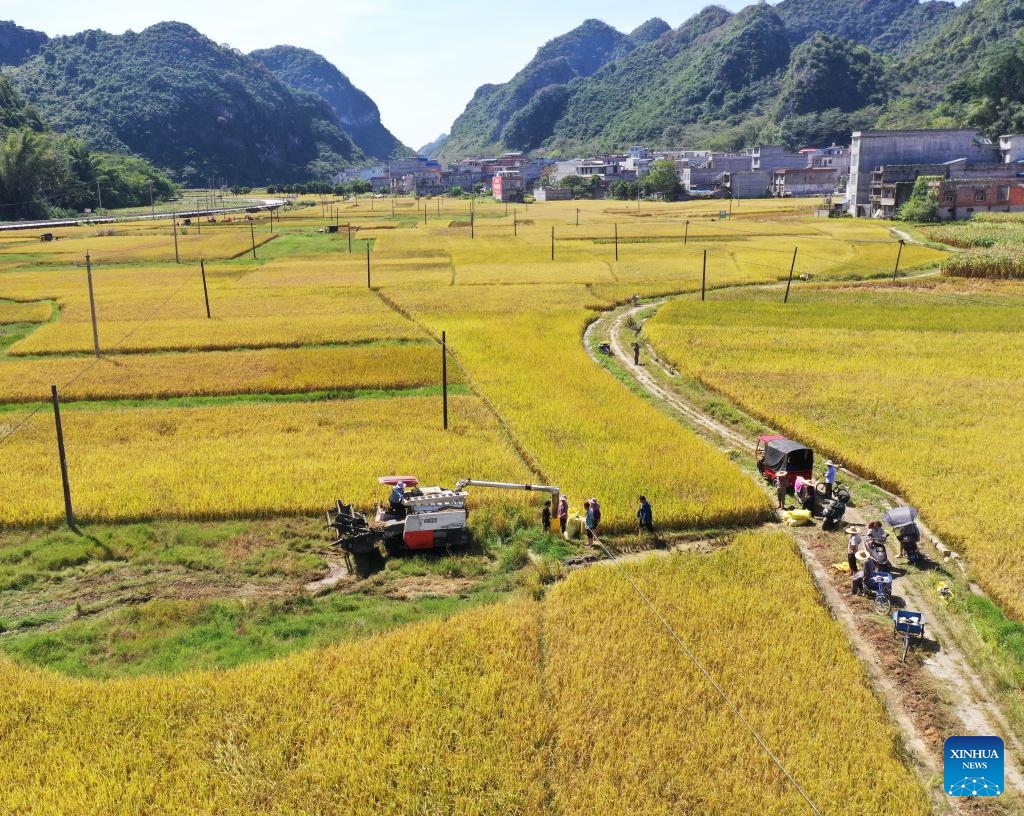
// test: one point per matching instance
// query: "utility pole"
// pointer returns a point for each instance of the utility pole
(99, 197)
(69, 511)
(349, 229)
(790, 281)
(444, 376)
(252, 233)
(174, 221)
(206, 294)
(515, 222)
(686, 235)
(899, 252)
(92, 305)
(577, 216)
(704, 277)
(552, 243)
(152, 207)
(616, 242)
(368, 286)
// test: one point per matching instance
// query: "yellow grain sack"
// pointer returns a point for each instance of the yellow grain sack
(797, 518)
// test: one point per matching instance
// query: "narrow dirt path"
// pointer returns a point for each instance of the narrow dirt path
(910, 699)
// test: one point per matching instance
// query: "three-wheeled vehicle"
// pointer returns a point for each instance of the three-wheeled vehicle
(775, 454)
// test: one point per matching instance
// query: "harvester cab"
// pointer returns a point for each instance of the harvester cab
(425, 518)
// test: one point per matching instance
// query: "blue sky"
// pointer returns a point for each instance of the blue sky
(420, 60)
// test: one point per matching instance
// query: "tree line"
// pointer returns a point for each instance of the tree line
(51, 175)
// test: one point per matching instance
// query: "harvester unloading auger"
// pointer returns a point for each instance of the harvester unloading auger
(423, 519)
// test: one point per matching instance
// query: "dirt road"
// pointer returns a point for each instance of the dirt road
(938, 696)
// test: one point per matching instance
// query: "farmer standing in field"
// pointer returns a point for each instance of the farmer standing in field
(545, 517)
(563, 513)
(588, 521)
(636, 352)
(645, 515)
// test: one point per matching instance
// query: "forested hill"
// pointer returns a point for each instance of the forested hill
(43, 173)
(799, 72)
(306, 70)
(195, 108)
(17, 44)
(522, 112)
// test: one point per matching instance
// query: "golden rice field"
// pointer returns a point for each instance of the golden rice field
(300, 318)
(221, 373)
(913, 385)
(580, 704)
(521, 348)
(133, 243)
(15, 312)
(245, 459)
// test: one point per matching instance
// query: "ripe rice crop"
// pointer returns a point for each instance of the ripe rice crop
(637, 723)
(910, 388)
(581, 704)
(443, 717)
(244, 460)
(213, 242)
(589, 434)
(35, 312)
(266, 371)
(57, 338)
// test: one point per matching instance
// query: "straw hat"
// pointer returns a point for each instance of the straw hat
(853, 528)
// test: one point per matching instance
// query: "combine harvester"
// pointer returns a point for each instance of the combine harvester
(427, 519)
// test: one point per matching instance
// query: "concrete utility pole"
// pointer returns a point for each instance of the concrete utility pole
(68, 509)
(444, 375)
(790, 281)
(92, 305)
(899, 252)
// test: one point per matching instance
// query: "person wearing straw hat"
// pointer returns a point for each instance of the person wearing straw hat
(830, 478)
(397, 495)
(854, 546)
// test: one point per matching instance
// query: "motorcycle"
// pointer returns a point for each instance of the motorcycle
(833, 510)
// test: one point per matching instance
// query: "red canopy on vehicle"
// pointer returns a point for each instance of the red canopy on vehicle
(409, 481)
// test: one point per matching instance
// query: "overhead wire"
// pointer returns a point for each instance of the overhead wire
(19, 425)
(707, 675)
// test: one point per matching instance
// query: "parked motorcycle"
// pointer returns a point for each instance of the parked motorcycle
(832, 511)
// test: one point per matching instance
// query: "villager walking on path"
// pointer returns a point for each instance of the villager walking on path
(645, 515)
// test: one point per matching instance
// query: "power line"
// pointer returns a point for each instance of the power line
(721, 692)
(18, 426)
